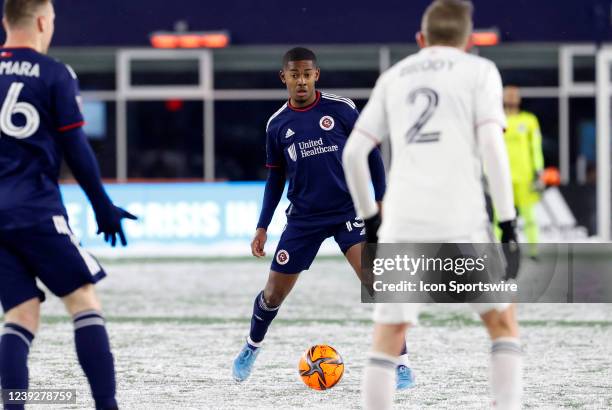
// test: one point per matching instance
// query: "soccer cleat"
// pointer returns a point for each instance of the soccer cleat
(405, 378)
(243, 363)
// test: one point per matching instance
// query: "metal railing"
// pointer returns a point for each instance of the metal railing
(206, 92)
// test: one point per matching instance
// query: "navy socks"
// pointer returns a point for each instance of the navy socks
(95, 357)
(14, 349)
(263, 315)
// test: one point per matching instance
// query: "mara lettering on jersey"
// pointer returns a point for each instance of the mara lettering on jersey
(307, 143)
(39, 98)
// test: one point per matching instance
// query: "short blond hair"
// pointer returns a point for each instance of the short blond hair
(448, 22)
(17, 12)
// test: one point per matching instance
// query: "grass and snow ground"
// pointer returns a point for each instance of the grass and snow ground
(176, 326)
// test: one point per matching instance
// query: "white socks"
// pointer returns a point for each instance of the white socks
(507, 373)
(254, 344)
(378, 385)
(379, 380)
(404, 359)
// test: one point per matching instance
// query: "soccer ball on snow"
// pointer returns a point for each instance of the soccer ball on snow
(321, 367)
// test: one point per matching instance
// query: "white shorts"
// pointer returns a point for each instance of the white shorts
(395, 313)
(481, 235)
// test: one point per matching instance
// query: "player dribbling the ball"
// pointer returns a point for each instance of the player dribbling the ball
(305, 139)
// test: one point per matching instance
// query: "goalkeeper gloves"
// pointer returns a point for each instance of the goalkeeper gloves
(511, 248)
(371, 227)
(538, 184)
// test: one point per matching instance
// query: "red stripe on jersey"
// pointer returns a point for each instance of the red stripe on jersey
(367, 134)
(71, 126)
(308, 107)
(272, 166)
(481, 123)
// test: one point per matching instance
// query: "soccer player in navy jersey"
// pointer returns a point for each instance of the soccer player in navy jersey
(305, 139)
(41, 123)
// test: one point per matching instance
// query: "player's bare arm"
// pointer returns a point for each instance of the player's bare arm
(258, 242)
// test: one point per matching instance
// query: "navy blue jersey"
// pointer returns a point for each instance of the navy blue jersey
(39, 99)
(307, 143)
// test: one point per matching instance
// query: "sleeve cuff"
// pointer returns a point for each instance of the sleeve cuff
(371, 136)
(369, 210)
(499, 122)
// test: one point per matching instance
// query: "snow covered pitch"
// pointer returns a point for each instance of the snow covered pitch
(175, 327)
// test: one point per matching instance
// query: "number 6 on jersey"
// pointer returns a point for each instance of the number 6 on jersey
(11, 107)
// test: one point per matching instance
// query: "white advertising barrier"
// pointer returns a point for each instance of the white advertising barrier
(181, 219)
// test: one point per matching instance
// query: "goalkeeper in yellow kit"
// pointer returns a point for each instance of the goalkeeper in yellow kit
(524, 144)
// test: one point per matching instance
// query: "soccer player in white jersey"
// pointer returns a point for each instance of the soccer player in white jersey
(442, 110)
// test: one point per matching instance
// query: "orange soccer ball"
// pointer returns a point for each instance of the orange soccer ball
(321, 367)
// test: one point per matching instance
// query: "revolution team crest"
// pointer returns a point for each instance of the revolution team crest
(326, 122)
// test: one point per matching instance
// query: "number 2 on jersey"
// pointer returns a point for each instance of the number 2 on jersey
(11, 107)
(414, 134)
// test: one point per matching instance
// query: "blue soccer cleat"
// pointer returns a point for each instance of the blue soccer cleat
(405, 378)
(243, 363)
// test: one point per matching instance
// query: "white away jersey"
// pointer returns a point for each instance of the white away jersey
(430, 105)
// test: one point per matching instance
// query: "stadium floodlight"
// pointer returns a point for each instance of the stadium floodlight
(483, 38)
(190, 39)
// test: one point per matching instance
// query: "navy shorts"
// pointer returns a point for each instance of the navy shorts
(48, 251)
(298, 246)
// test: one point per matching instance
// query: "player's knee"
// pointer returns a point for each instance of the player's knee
(276, 291)
(26, 315)
(389, 338)
(397, 330)
(500, 324)
(84, 298)
(504, 324)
